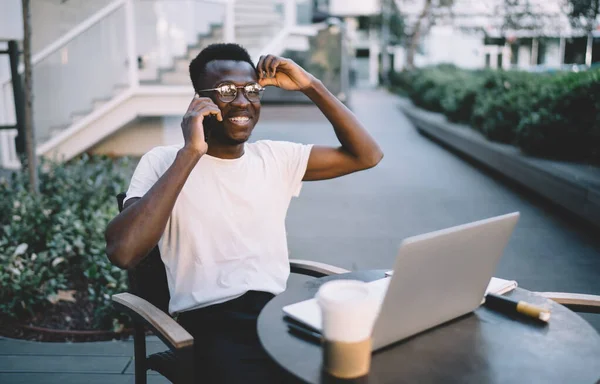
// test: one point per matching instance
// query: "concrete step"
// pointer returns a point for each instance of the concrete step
(257, 32)
(100, 102)
(193, 52)
(119, 88)
(75, 117)
(216, 32)
(245, 8)
(175, 78)
(272, 15)
(258, 21)
(257, 3)
(53, 132)
(181, 65)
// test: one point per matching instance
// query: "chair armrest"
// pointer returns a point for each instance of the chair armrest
(314, 268)
(577, 302)
(167, 329)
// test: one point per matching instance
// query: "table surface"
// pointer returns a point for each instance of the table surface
(481, 347)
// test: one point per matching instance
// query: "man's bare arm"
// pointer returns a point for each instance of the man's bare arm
(134, 232)
(358, 150)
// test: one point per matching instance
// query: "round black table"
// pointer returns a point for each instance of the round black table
(481, 347)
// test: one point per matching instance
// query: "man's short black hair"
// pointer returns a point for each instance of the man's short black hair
(221, 51)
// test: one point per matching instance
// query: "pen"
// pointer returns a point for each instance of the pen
(506, 305)
(305, 333)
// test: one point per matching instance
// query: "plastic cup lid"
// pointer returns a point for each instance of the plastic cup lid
(341, 292)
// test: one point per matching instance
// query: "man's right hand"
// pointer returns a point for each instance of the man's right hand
(192, 123)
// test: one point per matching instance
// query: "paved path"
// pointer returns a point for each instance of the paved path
(358, 221)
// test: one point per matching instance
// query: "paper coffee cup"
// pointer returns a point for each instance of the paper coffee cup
(348, 312)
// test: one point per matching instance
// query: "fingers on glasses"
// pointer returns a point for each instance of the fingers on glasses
(267, 66)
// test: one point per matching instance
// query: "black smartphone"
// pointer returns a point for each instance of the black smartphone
(209, 122)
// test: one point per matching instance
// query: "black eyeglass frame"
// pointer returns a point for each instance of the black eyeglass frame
(261, 90)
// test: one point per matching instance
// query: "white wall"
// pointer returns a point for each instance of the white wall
(11, 28)
(134, 139)
(7, 115)
(52, 18)
(524, 56)
(444, 44)
(552, 57)
(11, 20)
(141, 135)
(354, 8)
(172, 130)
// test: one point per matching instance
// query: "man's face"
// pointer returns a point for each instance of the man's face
(239, 116)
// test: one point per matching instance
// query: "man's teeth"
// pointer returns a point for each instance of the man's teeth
(241, 119)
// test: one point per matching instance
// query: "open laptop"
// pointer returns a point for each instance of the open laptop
(437, 277)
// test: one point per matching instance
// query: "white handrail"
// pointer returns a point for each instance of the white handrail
(229, 25)
(79, 29)
(278, 43)
(76, 31)
(67, 37)
(8, 155)
(131, 49)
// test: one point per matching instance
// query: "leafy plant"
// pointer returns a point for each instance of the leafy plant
(54, 242)
(555, 115)
(565, 122)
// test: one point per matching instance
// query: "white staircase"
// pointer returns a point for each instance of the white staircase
(130, 59)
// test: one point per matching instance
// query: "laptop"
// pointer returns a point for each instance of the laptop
(437, 277)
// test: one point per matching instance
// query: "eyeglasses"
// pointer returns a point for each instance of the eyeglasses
(227, 92)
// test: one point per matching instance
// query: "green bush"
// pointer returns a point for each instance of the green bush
(54, 241)
(428, 87)
(502, 100)
(554, 115)
(565, 121)
(459, 96)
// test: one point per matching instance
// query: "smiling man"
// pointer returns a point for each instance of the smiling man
(216, 205)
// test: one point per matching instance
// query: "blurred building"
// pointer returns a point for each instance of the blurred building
(532, 35)
(111, 76)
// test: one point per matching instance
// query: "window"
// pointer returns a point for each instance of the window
(363, 23)
(362, 52)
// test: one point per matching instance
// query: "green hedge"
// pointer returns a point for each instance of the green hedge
(551, 115)
(54, 241)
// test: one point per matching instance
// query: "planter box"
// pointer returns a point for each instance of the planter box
(575, 187)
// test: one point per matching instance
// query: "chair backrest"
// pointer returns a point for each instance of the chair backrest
(148, 279)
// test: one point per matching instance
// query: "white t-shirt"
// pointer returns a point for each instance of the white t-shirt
(226, 234)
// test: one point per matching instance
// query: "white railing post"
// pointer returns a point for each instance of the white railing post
(290, 13)
(132, 61)
(588, 49)
(561, 51)
(4, 149)
(8, 153)
(229, 25)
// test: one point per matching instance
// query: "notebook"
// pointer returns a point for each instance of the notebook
(308, 313)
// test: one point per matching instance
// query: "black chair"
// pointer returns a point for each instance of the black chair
(147, 302)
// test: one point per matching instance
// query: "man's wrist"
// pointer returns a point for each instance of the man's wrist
(314, 87)
(190, 154)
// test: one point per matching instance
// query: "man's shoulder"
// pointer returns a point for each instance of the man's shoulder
(160, 158)
(165, 152)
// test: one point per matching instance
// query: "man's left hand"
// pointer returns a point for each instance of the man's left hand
(283, 73)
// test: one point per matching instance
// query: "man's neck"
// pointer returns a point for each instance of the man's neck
(225, 151)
